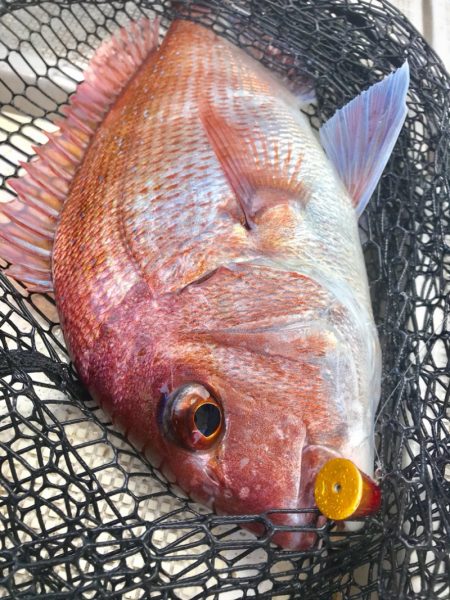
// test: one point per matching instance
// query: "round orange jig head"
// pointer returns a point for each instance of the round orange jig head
(343, 492)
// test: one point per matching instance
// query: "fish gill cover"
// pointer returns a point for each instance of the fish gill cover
(82, 513)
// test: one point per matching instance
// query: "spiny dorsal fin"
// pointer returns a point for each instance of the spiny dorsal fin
(29, 221)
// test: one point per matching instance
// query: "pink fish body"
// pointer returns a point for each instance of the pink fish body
(207, 268)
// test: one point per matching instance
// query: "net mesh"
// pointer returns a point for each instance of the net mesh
(82, 513)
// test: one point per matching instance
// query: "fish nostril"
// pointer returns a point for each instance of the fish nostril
(212, 474)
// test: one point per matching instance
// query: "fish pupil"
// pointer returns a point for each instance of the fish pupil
(207, 419)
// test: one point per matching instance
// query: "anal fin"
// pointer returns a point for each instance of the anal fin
(28, 223)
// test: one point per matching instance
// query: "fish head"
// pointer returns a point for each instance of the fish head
(240, 387)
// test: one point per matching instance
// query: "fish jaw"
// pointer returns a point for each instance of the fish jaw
(276, 483)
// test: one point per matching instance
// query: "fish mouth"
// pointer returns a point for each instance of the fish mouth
(296, 527)
(299, 530)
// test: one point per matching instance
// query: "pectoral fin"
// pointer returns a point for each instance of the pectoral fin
(261, 169)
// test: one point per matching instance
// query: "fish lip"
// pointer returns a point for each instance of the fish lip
(305, 496)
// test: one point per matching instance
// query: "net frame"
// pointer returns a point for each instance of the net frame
(82, 513)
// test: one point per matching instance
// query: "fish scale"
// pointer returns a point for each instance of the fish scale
(213, 239)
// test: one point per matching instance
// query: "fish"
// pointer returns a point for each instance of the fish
(202, 245)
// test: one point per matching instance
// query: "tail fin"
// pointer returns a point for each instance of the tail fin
(360, 137)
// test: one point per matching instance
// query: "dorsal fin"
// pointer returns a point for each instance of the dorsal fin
(26, 238)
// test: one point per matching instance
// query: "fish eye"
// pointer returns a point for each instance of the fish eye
(194, 417)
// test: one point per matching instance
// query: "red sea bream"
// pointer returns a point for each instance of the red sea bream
(205, 259)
